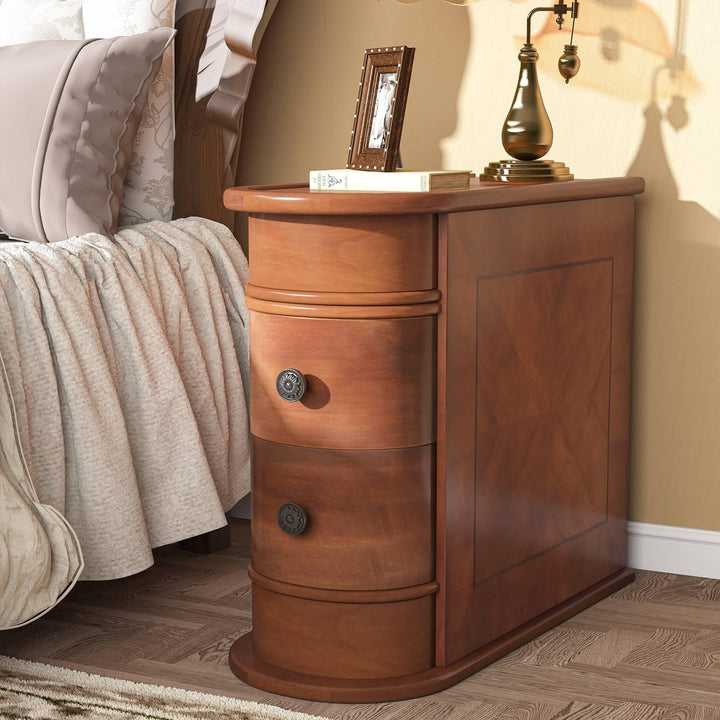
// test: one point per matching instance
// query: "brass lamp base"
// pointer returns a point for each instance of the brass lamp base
(511, 171)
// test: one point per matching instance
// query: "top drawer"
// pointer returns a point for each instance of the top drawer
(343, 254)
(370, 383)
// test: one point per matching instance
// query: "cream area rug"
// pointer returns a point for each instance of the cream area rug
(33, 691)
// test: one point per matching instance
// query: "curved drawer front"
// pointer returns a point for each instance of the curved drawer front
(369, 516)
(370, 384)
(343, 254)
(344, 640)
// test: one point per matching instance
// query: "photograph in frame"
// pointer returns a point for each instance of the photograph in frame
(380, 108)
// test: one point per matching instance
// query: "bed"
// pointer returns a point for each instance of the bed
(123, 351)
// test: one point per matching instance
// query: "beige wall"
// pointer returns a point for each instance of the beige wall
(606, 124)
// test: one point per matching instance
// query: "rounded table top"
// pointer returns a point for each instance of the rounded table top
(300, 200)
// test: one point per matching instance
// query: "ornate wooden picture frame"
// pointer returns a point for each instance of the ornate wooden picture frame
(380, 108)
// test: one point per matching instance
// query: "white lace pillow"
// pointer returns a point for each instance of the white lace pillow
(149, 181)
(24, 21)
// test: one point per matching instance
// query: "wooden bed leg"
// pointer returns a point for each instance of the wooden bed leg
(208, 542)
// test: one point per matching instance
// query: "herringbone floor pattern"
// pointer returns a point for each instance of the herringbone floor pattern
(649, 652)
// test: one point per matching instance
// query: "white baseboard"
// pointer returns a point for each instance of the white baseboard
(683, 551)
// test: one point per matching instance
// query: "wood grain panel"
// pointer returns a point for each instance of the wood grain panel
(536, 447)
(371, 516)
(340, 640)
(343, 254)
(199, 144)
(543, 379)
(208, 123)
(370, 383)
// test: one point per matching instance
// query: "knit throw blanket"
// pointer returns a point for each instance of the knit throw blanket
(122, 404)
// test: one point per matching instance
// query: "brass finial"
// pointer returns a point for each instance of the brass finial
(569, 63)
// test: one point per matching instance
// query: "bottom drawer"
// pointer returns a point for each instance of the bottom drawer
(370, 516)
(344, 640)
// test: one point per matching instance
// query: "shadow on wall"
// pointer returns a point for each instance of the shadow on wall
(438, 72)
(676, 413)
(329, 37)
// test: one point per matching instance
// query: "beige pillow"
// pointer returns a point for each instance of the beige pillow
(70, 113)
(148, 193)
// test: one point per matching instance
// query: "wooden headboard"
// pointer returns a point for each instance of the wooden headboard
(215, 57)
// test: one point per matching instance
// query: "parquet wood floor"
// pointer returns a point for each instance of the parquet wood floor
(649, 652)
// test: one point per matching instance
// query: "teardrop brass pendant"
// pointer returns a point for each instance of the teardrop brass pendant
(527, 133)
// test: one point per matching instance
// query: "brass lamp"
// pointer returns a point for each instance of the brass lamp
(527, 133)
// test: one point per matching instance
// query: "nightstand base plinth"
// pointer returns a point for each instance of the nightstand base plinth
(254, 671)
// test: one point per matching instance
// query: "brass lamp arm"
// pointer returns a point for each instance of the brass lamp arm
(529, 18)
(560, 9)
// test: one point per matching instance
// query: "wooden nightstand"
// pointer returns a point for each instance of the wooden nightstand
(453, 480)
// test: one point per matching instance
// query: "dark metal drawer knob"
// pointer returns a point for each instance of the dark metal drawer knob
(291, 519)
(290, 385)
